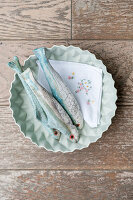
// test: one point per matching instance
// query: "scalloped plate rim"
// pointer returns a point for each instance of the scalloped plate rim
(112, 114)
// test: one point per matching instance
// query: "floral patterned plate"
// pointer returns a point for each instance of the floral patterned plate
(33, 129)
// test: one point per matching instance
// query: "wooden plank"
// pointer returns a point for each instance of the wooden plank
(116, 55)
(103, 19)
(35, 19)
(112, 151)
(74, 185)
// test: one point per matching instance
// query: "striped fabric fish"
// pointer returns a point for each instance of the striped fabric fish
(59, 90)
(56, 115)
(39, 113)
(47, 109)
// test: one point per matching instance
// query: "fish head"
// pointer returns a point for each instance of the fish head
(74, 135)
(56, 134)
(79, 123)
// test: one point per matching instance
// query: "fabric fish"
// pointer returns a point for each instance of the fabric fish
(47, 109)
(39, 113)
(59, 90)
(56, 115)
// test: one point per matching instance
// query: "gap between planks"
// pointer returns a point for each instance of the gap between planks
(71, 21)
(49, 39)
(70, 170)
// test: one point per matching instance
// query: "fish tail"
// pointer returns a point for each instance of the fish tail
(28, 77)
(40, 53)
(15, 65)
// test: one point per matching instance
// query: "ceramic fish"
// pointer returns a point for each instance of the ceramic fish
(39, 113)
(59, 90)
(57, 116)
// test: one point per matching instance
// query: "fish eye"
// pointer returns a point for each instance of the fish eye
(71, 136)
(55, 133)
(77, 125)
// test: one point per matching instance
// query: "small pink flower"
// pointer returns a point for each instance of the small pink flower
(80, 83)
(77, 90)
(82, 88)
(88, 102)
(69, 77)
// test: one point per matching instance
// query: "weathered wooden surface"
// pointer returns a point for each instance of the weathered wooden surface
(113, 151)
(35, 19)
(116, 55)
(59, 185)
(102, 19)
(104, 170)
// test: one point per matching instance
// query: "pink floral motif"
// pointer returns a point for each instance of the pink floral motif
(78, 90)
(84, 85)
(69, 77)
(90, 102)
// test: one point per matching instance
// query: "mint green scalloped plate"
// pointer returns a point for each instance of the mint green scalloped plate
(33, 129)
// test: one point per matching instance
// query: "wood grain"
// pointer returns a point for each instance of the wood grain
(116, 55)
(104, 170)
(74, 185)
(113, 151)
(35, 19)
(103, 19)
